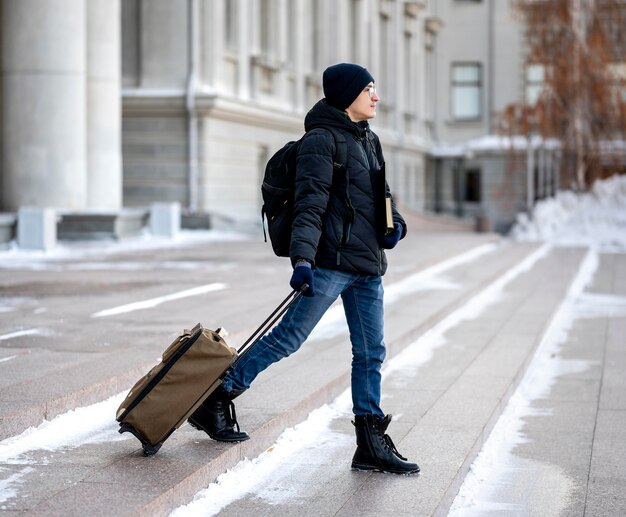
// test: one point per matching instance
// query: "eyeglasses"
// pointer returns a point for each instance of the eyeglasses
(371, 91)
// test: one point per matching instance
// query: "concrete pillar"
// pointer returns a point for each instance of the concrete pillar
(36, 228)
(283, 92)
(375, 67)
(243, 52)
(104, 176)
(165, 219)
(43, 104)
(398, 71)
(361, 37)
(299, 64)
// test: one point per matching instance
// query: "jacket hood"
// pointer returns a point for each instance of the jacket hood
(322, 115)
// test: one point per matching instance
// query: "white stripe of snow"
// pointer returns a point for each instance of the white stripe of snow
(312, 437)
(495, 461)
(153, 302)
(333, 322)
(89, 424)
(16, 258)
(255, 476)
(422, 350)
(6, 485)
(593, 305)
(19, 333)
(5, 359)
(416, 281)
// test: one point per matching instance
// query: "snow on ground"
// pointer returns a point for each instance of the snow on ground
(270, 476)
(496, 465)
(432, 278)
(14, 257)
(90, 424)
(596, 218)
(154, 302)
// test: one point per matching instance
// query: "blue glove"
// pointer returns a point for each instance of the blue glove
(389, 241)
(302, 274)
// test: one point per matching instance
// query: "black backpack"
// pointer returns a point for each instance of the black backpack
(278, 190)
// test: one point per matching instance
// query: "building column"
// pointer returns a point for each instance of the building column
(244, 41)
(43, 125)
(282, 74)
(104, 177)
(300, 66)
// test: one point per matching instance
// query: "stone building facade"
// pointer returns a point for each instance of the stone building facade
(212, 89)
(108, 105)
(480, 70)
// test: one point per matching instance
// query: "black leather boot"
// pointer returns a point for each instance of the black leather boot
(216, 417)
(375, 450)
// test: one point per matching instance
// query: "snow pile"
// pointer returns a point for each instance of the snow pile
(596, 218)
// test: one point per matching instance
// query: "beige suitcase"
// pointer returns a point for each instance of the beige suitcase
(190, 369)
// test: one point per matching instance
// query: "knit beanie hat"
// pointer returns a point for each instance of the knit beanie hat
(343, 83)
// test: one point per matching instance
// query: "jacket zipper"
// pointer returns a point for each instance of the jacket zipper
(339, 246)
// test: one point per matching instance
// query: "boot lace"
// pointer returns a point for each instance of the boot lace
(390, 445)
(382, 427)
(231, 416)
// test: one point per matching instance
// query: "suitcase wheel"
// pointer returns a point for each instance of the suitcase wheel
(148, 449)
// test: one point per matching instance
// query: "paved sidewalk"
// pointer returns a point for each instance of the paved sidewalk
(572, 458)
(560, 450)
(60, 357)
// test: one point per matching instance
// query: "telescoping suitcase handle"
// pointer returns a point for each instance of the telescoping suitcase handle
(270, 321)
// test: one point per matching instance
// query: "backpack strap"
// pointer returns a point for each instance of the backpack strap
(340, 160)
(341, 156)
(340, 163)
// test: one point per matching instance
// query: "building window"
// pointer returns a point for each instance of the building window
(466, 91)
(535, 77)
(472, 186)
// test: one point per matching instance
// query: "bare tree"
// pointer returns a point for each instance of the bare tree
(577, 54)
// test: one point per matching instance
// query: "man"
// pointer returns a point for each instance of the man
(337, 243)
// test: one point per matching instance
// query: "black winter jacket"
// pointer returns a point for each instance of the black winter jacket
(326, 230)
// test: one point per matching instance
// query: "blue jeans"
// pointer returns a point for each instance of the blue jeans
(363, 304)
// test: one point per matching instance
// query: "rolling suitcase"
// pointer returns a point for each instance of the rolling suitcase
(190, 369)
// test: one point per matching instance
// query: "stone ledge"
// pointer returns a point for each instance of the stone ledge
(89, 225)
(101, 225)
(195, 221)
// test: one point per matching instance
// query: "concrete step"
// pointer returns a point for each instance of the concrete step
(447, 390)
(106, 477)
